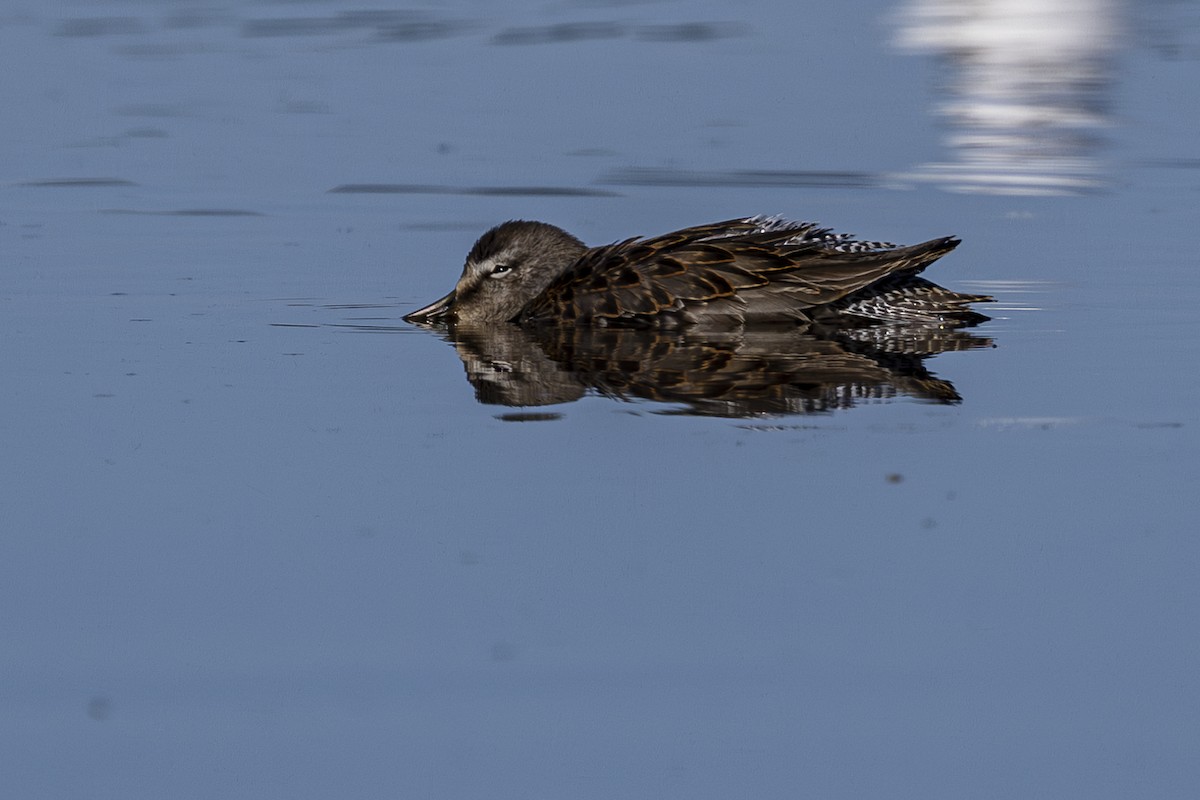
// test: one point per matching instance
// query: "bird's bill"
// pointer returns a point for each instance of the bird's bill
(435, 311)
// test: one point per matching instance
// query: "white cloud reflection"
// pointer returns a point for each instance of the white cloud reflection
(1024, 94)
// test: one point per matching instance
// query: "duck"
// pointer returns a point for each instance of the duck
(738, 272)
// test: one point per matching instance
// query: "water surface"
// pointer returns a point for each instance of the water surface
(262, 539)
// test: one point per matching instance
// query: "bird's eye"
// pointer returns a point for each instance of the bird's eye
(500, 270)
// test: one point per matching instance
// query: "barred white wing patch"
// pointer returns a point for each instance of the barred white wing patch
(846, 243)
(809, 232)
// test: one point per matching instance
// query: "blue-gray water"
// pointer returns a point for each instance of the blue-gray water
(259, 539)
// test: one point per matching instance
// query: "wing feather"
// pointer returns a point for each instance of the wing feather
(770, 267)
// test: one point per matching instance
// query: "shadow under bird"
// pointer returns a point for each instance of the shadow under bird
(739, 272)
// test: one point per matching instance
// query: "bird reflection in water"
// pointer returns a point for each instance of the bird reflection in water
(745, 372)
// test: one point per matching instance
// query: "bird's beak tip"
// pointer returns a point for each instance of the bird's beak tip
(434, 312)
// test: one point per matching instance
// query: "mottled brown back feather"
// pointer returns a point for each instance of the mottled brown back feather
(636, 279)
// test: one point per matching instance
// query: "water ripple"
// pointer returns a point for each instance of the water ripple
(504, 191)
(752, 178)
